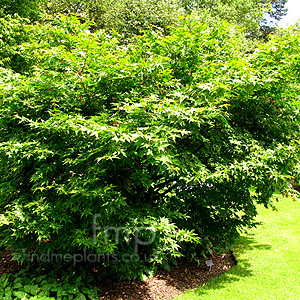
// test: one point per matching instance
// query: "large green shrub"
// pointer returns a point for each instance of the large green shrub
(168, 134)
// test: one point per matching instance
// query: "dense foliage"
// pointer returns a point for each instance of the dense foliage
(131, 17)
(246, 13)
(128, 17)
(12, 35)
(46, 283)
(26, 9)
(258, 17)
(182, 134)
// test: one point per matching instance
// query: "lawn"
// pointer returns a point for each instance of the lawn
(268, 260)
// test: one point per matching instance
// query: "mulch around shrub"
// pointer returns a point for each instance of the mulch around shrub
(7, 265)
(165, 285)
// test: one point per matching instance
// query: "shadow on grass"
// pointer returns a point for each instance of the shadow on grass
(239, 272)
(188, 276)
(236, 273)
(246, 243)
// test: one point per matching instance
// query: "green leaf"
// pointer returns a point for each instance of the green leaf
(4, 280)
(8, 291)
(17, 285)
(70, 289)
(31, 289)
(80, 296)
(19, 294)
(91, 292)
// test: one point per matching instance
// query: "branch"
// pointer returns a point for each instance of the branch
(159, 186)
(121, 185)
(168, 190)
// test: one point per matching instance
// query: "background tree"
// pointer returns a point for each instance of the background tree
(132, 17)
(258, 17)
(30, 9)
(275, 13)
(278, 9)
(244, 13)
(127, 17)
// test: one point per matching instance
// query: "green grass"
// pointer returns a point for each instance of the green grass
(268, 260)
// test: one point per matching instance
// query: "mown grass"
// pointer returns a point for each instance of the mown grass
(268, 260)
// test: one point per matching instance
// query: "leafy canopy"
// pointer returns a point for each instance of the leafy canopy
(168, 132)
